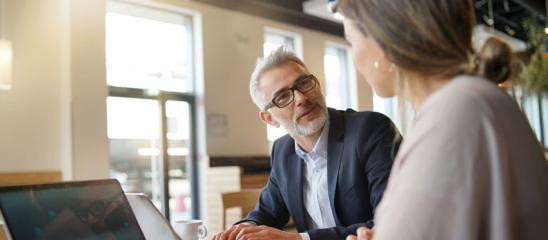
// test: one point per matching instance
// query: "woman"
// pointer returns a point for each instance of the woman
(470, 166)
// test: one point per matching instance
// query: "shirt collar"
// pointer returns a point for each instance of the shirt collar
(320, 148)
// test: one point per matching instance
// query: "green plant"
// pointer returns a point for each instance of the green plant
(534, 77)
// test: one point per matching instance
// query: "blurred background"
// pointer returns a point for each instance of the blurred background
(155, 93)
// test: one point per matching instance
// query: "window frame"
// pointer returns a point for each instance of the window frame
(297, 39)
(163, 96)
(351, 81)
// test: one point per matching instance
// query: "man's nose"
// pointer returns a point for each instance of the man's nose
(300, 98)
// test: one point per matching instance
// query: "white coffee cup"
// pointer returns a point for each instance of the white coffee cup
(190, 229)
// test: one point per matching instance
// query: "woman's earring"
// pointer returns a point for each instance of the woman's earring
(376, 65)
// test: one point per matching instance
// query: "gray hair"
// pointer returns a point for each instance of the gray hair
(277, 58)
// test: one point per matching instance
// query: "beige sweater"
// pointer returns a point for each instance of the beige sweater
(469, 168)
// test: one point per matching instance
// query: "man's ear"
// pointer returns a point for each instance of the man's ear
(267, 118)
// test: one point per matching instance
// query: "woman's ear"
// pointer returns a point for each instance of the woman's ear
(267, 118)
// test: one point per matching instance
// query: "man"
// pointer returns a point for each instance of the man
(329, 172)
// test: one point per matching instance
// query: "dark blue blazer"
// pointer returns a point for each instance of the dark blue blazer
(360, 151)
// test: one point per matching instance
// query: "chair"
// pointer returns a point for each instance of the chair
(245, 200)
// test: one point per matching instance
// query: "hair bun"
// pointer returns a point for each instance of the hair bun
(494, 60)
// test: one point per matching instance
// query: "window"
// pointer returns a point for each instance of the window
(536, 109)
(531, 107)
(148, 48)
(389, 107)
(151, 107)
(273, 39)
(544, 120)
(340, 78)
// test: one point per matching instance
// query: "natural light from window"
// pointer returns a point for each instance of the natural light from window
(340, 78)
(150, 50)
(166, 66)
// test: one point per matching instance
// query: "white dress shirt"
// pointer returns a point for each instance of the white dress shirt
(315, 193)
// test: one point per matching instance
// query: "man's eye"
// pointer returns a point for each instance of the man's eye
(284, 95)
(301, 84)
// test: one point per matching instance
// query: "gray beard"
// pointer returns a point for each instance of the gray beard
(294, 128)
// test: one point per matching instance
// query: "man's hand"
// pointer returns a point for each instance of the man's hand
(232, 232)
(363, 234)
(265, 232)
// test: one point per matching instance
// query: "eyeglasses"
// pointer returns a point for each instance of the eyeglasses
(284, 97)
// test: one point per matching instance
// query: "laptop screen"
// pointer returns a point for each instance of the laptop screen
(70, 210)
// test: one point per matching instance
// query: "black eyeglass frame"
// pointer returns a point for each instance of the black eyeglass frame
(300, 79)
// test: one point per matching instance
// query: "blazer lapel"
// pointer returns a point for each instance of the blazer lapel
(295, 191)
(335, 147)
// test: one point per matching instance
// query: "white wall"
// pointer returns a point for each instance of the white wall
(54, 118)
(30, 113)
(88, 89)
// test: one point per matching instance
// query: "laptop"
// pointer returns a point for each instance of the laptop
(85, 210)
(152, 222)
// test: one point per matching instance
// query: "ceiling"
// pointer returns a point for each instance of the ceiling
(508, 14)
